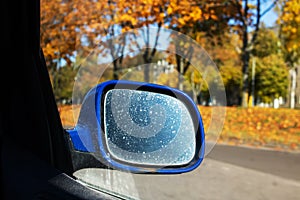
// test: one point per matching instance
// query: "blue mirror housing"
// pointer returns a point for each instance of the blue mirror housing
(140, 127)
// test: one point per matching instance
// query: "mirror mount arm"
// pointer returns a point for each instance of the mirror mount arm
(84, 159)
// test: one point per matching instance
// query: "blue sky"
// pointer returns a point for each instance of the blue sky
(270, 17)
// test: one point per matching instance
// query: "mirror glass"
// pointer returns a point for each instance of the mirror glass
(148, 128)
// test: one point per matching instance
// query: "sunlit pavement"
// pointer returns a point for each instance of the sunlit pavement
(226, 173)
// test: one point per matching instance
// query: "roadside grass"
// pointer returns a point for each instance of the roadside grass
(258, 127)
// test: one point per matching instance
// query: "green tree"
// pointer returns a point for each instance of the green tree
(271, 72)
(271, 78)
(289, 12)
(290, 30)
(267, 43)
(247, 26)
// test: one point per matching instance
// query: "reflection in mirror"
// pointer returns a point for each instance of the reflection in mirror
(148, 128)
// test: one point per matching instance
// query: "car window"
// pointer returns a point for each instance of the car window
(238, 62)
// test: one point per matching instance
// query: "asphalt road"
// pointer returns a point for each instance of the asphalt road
(227, 172)
(279, 163)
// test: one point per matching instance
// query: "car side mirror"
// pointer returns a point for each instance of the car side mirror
(140, 128)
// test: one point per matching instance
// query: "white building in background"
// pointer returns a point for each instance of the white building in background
(162, 66)
(292, 100)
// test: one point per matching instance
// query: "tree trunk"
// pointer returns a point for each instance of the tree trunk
(115, 71)
(146, 72)
(293, 88)
(245, 90)
(181, 72)
(245, 61)
(194, 88)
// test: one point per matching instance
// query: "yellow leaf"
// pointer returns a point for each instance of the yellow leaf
(169, 10)
(214, 17)
(181, 21)
(186, 18)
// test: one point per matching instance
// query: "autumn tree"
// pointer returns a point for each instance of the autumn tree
(211, 20)
(198, 85)
(75, 28)
(158, 14)
(247, 25)
(290, 36)
(270, 79)
(67, 26)
(266, 43)
(290, 31)
(227, 57)
(69, 30)
(181, 17)
(141, 15)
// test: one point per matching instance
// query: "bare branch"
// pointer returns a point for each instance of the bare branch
(189, 55)
(137, 44)
(246, 9)
(269, 8)
(257, 23)
(239, 9)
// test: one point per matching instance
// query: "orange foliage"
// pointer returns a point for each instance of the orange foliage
(261, 127)
(267, 127)
(69, 115)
